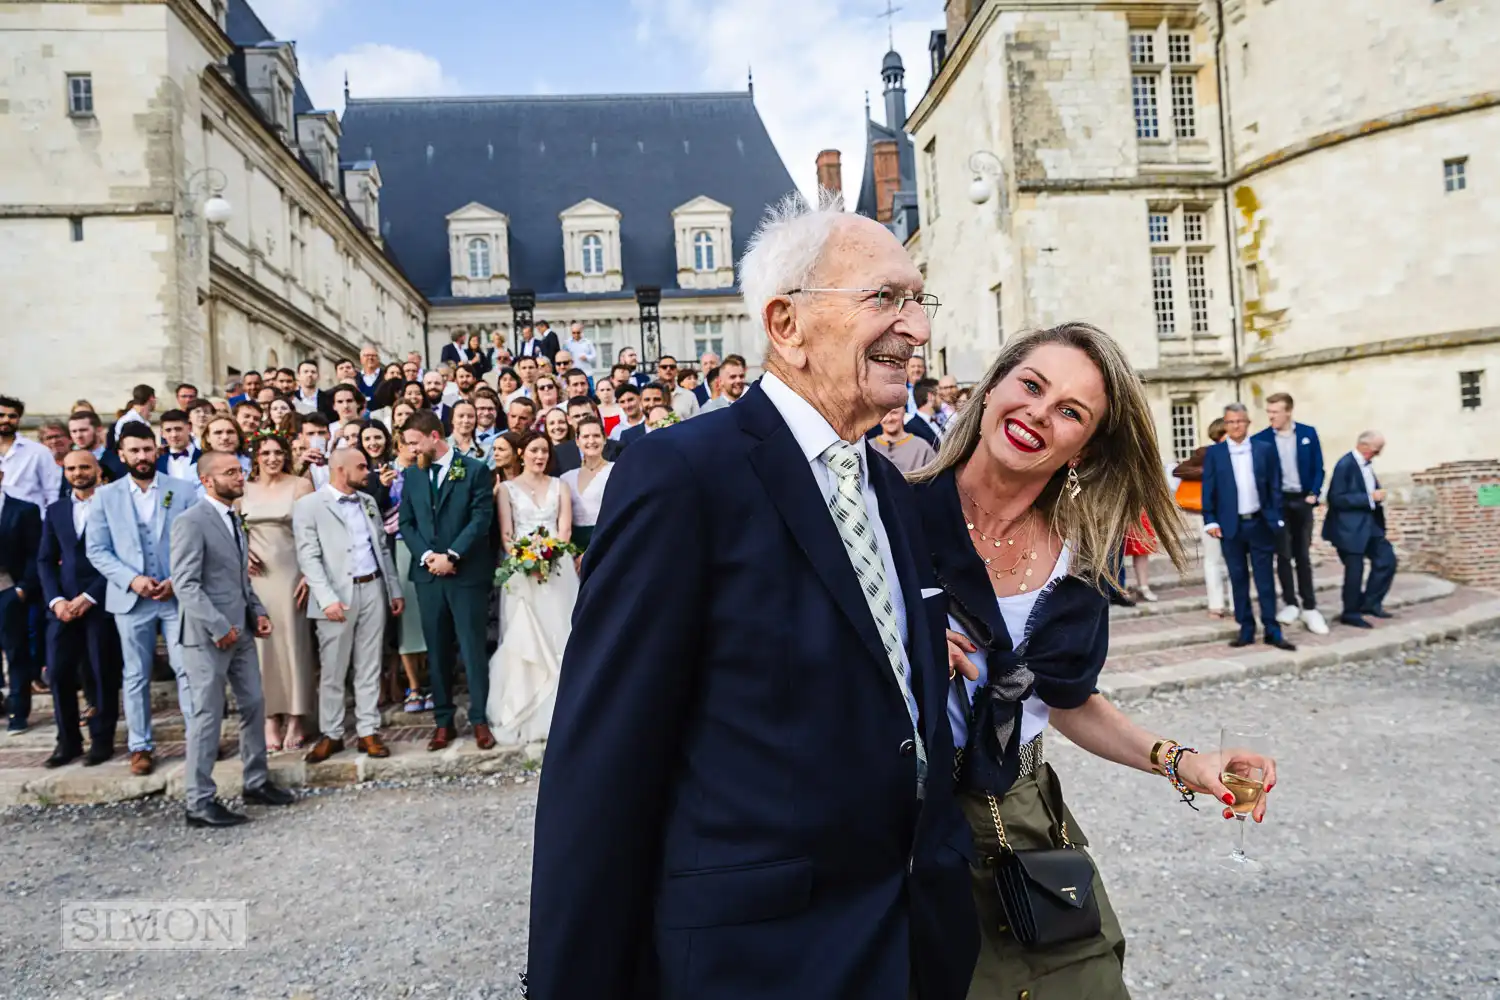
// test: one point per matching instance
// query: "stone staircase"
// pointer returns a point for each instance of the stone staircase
(1161, 646)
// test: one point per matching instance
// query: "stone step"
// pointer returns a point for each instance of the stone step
(1150, 633)
(1178, 599)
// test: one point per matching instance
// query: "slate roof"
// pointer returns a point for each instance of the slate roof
(533, 157)
(245, 29)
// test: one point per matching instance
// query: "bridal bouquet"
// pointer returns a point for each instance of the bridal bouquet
(534, 555)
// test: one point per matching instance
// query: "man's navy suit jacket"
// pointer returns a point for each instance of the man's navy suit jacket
(729, 809)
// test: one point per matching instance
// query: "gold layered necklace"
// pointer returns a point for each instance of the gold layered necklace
(1020, 556)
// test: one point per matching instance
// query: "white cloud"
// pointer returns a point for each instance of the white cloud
(374, 71)
(813, 62)
(293, 19)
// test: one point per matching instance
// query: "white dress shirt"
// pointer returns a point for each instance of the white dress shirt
(303, 404)
(145, 500)
(584, 352)
(1242, 460)
(228, 518)
(182, 466)
(937, 430)
(814, 434)
(1368, 472)
(30, 472)
(362, 561)
(80, 512)
(625, 425)
(1286, 449)
(131, 414)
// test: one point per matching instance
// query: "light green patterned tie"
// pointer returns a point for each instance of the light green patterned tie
(853, 521)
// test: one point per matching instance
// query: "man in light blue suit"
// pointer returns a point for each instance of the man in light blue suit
(128, 540)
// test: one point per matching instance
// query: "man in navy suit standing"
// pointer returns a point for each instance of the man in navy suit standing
(1355, 525)
(748, 791)
(1242, 508)
(83, 646)
(1300, 455)
(20, 533)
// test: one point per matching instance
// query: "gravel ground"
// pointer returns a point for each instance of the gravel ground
(1382, 880)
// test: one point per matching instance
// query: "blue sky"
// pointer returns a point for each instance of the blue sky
(813, 59)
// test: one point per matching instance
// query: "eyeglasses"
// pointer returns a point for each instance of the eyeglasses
(885, 298)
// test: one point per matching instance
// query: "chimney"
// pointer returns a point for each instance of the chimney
(887, 176)
(830, 171)
(958, 14)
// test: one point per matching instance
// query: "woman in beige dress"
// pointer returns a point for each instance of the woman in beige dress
(287, 656)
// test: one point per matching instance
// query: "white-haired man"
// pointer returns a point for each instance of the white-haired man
(693, 804)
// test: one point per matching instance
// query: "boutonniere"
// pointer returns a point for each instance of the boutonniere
(166, 501)
(1307, 440)
(456, 472)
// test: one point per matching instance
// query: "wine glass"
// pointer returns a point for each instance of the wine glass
(1247, 783)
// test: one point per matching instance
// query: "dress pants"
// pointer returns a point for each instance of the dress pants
(84, 653)
(209, 670)
(358, 640)
(1294, 546)
(453, 619)
(1254, 543)
(16, 644)
(137, 629)
(1362, 596)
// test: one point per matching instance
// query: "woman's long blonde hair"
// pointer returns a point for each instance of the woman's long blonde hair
(1119, 470)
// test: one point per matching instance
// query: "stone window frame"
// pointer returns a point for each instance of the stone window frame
(591, 254)
(708, 335)
(1471, 389)
(704, 250)
(1184, 428)
(80, 95)
(481, 267)
(1164, 70)
(1181, 270)
(703, 243)
(1455, 174)
(588, 220)
(476, 220)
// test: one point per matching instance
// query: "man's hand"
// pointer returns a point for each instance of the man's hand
(387, 475)
(262, 627)
(164, 591)
(300, 594)
(230, 638)
(335, 611)
(1312, 499)
(398, 605)
(1213, 531)
(1379, 496)
(78, 607)
(20, 593)
(256, 566)
(63, 611)
(144, 586)
(440, 565)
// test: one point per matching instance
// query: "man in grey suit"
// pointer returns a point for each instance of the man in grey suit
(352, 581)
(218, 621)
(128, 540)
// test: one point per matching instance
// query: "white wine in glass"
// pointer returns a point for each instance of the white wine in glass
(1247, 783)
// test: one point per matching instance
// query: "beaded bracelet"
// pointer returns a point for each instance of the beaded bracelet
(1171, 759)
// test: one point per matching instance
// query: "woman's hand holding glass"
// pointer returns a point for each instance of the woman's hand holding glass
(1203, 772)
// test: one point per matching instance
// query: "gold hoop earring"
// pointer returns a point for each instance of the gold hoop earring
(1071, 484)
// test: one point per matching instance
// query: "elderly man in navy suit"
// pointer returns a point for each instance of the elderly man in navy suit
(83, 647)
(1355, 525)
(1242, 508)
(1300, 455)
(748, 791)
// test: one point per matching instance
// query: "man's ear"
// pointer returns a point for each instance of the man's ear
(784, 332)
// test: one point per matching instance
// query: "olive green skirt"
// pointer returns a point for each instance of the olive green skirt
(1091, 969)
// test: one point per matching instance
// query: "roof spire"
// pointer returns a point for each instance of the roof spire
(750, 72)
(867, 105)
(346, 86)
(890, 12)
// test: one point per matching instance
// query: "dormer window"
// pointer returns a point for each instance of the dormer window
(593, 254)
(479, 259)
(703, 251)
(705, 255)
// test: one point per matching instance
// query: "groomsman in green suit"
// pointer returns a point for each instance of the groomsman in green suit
(447, 506)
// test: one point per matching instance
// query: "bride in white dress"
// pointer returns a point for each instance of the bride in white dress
(535, 618)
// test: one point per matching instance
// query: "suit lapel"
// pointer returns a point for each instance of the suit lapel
(882, 477)
(788, 480)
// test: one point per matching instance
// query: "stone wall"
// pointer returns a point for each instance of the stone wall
(1443, 530)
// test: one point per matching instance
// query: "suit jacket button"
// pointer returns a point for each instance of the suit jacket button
(908, 747)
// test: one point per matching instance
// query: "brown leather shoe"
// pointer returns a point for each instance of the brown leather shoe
(140, 763)
(483, 738)
(323, 749)
(372, 746)
(443, 736)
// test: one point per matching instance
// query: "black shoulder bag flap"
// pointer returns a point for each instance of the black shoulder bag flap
(1047, 894)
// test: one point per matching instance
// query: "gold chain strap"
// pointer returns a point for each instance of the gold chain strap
(1000, 828)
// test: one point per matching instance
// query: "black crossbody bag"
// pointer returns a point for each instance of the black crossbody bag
(1047, 893)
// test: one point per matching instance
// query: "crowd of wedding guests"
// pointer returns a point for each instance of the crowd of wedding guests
(87, 505)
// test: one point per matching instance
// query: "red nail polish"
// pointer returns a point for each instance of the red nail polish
(1227, 798)
(1228, 813)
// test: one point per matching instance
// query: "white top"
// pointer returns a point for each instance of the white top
(303, 404)
(584, 352)
(144, 499)
(1016, 611)
(1368, 472)
(130, 414)
(586, 504)
(81, 510)
(362, 560)
(1242, 460)
(685, 403)
(623, 426)
(30, 472)
(182, 467)
(1286, 448)
(526, 516)
(814, 435)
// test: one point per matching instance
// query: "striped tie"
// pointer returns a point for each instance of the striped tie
(848, 507)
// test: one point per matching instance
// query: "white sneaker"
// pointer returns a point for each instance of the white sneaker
(1289, 614)
(1147, 594)
(1314, 622)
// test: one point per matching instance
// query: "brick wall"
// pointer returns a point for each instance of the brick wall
(1442, 529)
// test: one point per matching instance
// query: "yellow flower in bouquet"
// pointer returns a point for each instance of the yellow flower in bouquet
(534, 555)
